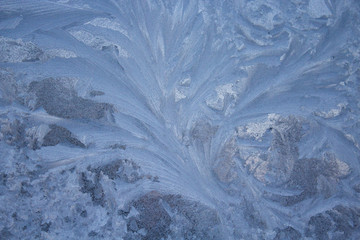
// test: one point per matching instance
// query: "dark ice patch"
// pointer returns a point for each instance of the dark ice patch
(95, 93)
(172, 215)
(153, 217)
(8, 87)
(252, 216)
(94, 188)
(305, 173)
(3, 178)
(13, 133)
(5, 234)
(45, 227)
(203, 131)
(288, 233)
(60, 101)
(122, 169)
(339, 222)
(58, 135)
(118, 146)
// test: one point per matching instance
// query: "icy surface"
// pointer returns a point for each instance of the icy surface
(157, 119)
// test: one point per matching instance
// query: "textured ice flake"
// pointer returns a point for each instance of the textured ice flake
(109, 24)
(179, 95)
(225, 168)
(319, 8)
(333, 112)
(225, 92)
(97, 42)
(60, 53)
(222, 91)
(257, 165)
(186, 82)
(257, 130)
(12, 50)
(89, 39)
(263, 14)
(274, 164)
(8, 86)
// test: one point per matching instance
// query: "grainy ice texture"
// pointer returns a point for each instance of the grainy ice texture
(186, 119)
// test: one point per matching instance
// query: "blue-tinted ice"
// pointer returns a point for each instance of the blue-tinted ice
(189, 119)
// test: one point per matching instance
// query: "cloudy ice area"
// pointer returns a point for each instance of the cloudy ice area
(188, 119)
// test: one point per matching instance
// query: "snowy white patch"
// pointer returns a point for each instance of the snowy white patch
(109, 24)
(230, 90)
(97, 42)
(186, 82)
(318, 9)
(62, 53)
(179, 95)
(343, 168)
(257, 130)
(333, 112)
(36, 135)
(89, 39)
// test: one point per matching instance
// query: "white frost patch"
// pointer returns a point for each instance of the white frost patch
(333, 112)
(343, 168)
(35, 135)
(352, 139)
(257, 129)
(338, 167)
(122, 52)
(89, 39)
(179, 95)
(228, 90)
(186, 82)
(318, 9)
(62, 53)
(216, 103)
(282, 57)
(109, 24)
(97, 42)
(262, 14)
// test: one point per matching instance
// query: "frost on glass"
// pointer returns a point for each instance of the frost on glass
(195, 119)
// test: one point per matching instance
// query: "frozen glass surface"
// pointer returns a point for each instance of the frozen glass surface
(186, 119)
